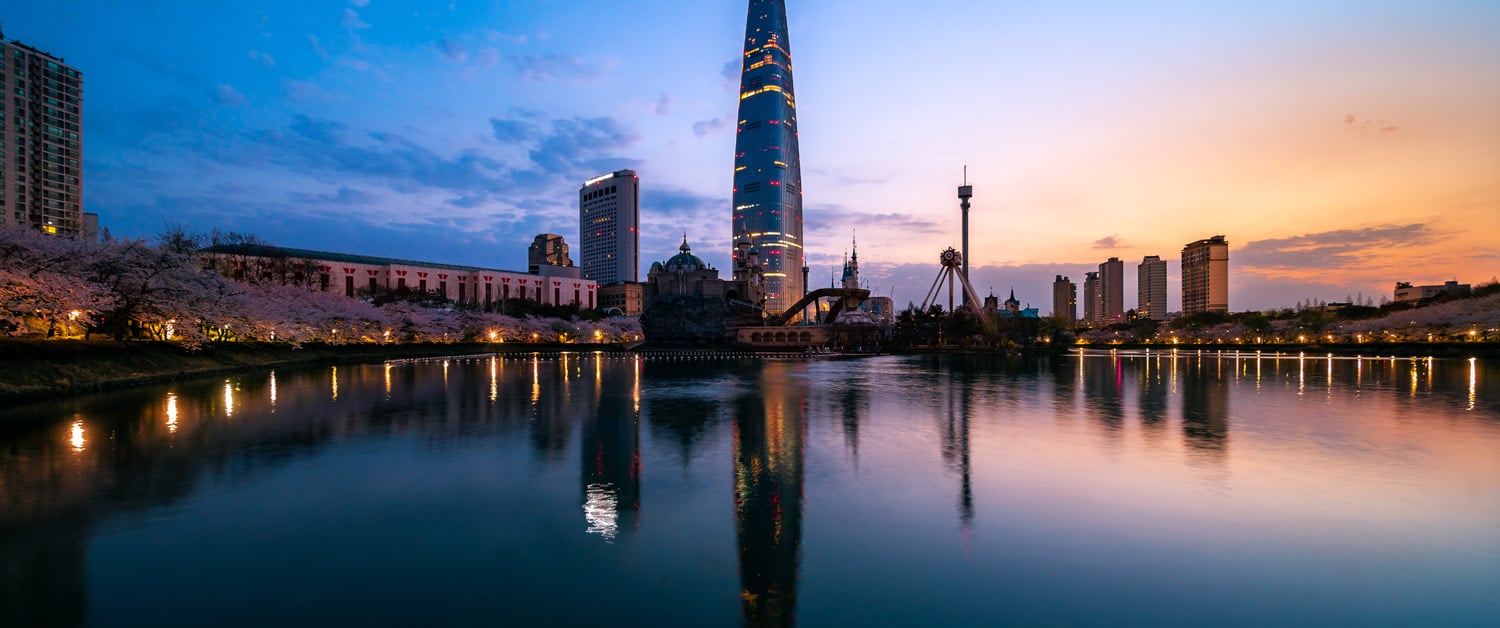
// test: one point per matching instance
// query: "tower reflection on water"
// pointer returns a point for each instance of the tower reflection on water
(770, 429)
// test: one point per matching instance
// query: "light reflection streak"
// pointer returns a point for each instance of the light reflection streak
(1359, 372)
(536, 380)
(171, 412)
(1330, 374)
(494, 378)
(1473, 382)
(1429, 373)
(1414, 377)
(602, 511)
(273, 391)
(1301, 373)
(388, 380)
(1174, 371)
(335, 383)
(228, 399)
(445, 375)
(76, 438)
(635, 391)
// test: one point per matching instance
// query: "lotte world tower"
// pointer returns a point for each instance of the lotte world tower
(767, 169)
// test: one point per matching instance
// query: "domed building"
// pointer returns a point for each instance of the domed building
(688, 303)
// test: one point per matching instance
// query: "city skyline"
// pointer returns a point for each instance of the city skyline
(1342, 149)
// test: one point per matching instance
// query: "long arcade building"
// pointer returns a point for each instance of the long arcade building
(767, 166)
(359, 276)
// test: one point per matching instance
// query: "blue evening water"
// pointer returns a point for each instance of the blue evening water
(580, 489)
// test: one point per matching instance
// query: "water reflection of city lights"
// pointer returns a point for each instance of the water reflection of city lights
(536, 380)
(228, 399)
(494, 378)
(335, 383)
(273, 391)
(387, 380)
(1301, 373)
(602, 511)
(1473, 382)
(171, 412)
(76, 436)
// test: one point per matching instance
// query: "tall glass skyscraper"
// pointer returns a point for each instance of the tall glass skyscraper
(767, 168)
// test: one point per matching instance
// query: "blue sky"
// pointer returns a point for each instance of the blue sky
(1340, 146)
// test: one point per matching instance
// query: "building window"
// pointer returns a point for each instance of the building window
(348, 285)
(373, 286)
(324, 282)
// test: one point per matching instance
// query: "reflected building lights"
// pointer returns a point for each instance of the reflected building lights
(388, 380)
(1414, 378)
(445, 375)
(536, 381)
(1473, 382)
(273, 391)
(228, 399)
(635, 390)
(494, 378)
(1301, 373)
(75, 437)
(171, 412)
(601, 511)
(335, 383)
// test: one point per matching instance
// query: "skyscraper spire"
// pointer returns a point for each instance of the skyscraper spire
(767, 167)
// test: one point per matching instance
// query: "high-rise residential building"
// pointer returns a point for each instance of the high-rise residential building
(1091, 309)
(767, 167)
(1151, 288)
(609, 228)
(548, 249)
(1112, 292)
(1205, 276)
(41, 140)
(1065, 300)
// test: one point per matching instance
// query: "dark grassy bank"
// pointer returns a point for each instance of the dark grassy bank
(32, 369)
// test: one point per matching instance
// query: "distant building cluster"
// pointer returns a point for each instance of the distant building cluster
(1205, 287)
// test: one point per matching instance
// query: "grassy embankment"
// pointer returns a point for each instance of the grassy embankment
(32, 369)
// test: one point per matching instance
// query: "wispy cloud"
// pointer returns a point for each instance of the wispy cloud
(553, 67)
(1109, 242)
(453, 51)
(1381, 126)
(1332, 250)
(351, 21)
(228, 96)
(317, 47)
(664, 105)
(705, 127)
(262, 59)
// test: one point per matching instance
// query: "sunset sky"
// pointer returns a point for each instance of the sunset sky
(1340, 146)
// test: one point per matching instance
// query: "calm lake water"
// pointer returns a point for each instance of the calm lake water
(599, 489)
